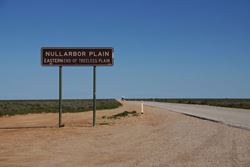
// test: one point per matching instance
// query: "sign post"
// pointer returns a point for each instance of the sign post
(58, 56)
(60, 97)
(94, 95)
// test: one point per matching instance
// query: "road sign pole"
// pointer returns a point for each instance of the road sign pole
(94, 95)
(60, 96)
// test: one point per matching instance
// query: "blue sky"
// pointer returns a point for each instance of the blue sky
(163, 48)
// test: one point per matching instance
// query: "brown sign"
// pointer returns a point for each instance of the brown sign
(77, 56)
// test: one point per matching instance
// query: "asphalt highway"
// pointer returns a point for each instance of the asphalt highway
(229, 116)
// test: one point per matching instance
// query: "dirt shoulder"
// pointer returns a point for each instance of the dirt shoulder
(157, 138)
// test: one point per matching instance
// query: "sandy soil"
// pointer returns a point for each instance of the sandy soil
(158, 138)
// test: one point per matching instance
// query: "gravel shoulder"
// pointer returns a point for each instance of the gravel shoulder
(156, 138)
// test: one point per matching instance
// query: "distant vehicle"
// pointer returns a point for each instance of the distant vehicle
(123, 99)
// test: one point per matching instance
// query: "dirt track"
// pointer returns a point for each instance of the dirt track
(157, 138)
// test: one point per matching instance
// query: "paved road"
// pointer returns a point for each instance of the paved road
(229, 116)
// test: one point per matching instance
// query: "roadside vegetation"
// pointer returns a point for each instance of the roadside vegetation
(13, 107)
(122, 115)
(232, 103)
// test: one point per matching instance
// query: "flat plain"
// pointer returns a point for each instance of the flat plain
(14, 107)
(156, 138)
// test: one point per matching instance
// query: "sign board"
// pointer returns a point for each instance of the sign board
(77, 56)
